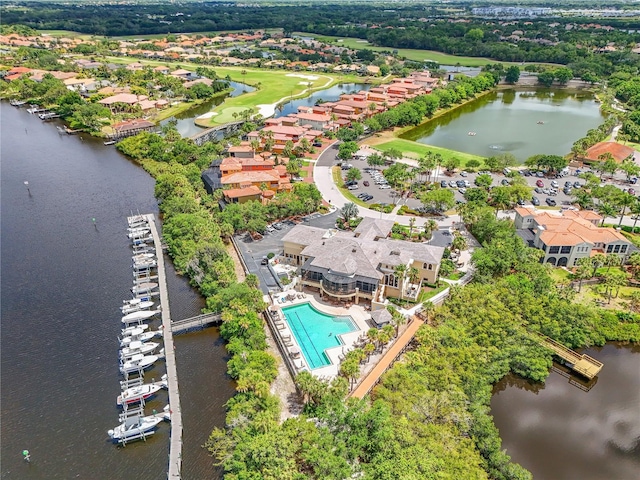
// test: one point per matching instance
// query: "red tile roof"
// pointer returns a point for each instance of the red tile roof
(617, 150)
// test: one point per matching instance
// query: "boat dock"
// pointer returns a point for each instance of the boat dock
(175, 446)
(583, 364)
(197, 322)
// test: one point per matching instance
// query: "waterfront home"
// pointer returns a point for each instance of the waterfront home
(361, 265)
(567, 236)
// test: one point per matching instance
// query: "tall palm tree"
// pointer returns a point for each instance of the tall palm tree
(401, 271)
(412, 222)
(430, 226)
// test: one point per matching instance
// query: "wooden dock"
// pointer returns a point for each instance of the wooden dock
(175, 446)
(372, 378)
(583, 364)
(197, 322)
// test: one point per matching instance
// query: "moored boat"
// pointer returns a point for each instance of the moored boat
(136, 347)
(144, 287)
(141, 392)
(139, 316)
(125, 341)
(135, 427)
(138, 362)
(135, 307)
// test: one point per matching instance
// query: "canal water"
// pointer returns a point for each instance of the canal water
(63, 279)
(507, 121)
(560, 432)
(185, 120)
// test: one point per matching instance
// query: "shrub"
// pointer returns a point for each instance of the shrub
(270, 255)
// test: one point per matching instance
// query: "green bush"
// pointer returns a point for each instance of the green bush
(270, 255)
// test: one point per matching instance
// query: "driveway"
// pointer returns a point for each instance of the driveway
(253, 251)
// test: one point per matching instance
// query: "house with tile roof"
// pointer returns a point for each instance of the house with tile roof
(360, 265)
(617, 151)
(566, 237)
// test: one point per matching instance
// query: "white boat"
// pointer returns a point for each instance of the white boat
(139, 316)
(145, 264)
(134, 330)
(138, 362)
(135, 307)
(142, 241)
(140, 337)
(144, 287)
(135, 427)
(138, 233)
(136, 347)
(141, 392)
(143, 256)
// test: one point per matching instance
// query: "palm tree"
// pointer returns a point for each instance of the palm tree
(625, 200)
(612, 260)
(372, 336)
(429, 310)
(597, 261)
(583, 272)
(401, 271)
(412, 222)
(459, 242)
(349, 211)
(430, 226)
(255, 145)
(414, 275)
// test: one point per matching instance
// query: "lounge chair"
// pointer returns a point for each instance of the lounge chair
(288, 343)
(280, 325)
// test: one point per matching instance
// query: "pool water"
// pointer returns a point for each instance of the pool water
(316, 331)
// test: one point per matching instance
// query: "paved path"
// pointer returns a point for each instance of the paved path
(175, 445)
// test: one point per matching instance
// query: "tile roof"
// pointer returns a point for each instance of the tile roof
(617, 150)
(251, 176)
(242, 192)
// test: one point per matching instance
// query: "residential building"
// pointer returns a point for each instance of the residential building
(617, 151)
(566, 237)
(361, 265)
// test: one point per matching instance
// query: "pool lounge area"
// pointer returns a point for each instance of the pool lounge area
(318, 335)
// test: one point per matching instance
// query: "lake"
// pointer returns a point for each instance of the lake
(560, 432)
(62, 282)
(507, 121)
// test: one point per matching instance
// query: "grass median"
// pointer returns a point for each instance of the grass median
(337, 179)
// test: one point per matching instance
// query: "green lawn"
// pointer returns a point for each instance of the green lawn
(67, 33)
(418, 150)
(418, 55)
(274, 86)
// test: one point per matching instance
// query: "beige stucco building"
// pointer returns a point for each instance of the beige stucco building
(361, 265)
(565, 237)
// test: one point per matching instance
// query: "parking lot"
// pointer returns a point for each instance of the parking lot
(253, 251)
(546, 191)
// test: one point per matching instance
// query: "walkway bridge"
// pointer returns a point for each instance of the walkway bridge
(212, 134)
(197, 322)
(387, 360)
(583, 364)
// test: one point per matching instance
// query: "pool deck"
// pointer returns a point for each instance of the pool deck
(356, 312)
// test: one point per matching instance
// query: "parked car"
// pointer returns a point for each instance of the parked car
(567, 191)
(539, 174)
(538, 190)
(460, 183)
(535, 201)
(317, 144)
(385, 187)
(463, 173)
(278, 226)
(444, 184)
(452, 184)
(367, 198)
(504, 181)
(521, 202)
(577, 185)
(269, 229)
(568, 184)
(540, 183)
(264, 261)
(526, 173)
(350, 182)
(551, 202)
(352, 187)
(462, 190)
(554, 184)
(366, 183)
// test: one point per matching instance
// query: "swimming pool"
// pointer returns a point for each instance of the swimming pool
(316, 331)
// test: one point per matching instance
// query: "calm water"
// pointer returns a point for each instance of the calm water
(506, 121)
(62, 281)
(185, 120)
(329, 95)
(559, 432)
